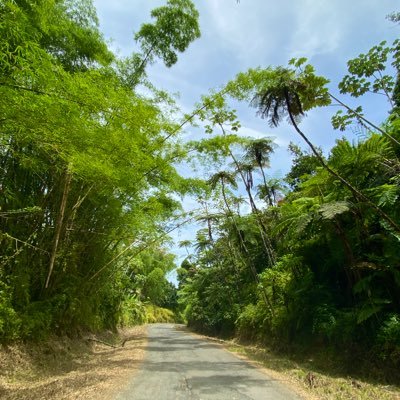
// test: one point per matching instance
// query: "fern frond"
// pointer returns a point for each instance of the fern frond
(377, 145)
(301, 214)
(389, 194)
(371, 308)
(330, 210)
(302, 222)
(343, 153)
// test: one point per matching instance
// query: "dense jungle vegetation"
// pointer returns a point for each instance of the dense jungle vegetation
(316, 261)
(89, 191)
(86, 177)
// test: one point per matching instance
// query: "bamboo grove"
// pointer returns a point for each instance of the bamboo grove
(86, 177)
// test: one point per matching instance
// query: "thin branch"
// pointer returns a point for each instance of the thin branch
(359, 116)
(8, 236)
(147, 244)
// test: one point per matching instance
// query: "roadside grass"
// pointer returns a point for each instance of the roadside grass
(62, 368)
(321, 375)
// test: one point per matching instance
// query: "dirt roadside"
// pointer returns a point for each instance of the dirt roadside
(63, 368)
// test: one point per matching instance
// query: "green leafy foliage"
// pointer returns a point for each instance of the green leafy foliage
(175, 27)
(319, 264)
(9, 320)
(86, 173)
(389, 338)
(369, 66)
(88, 192)
(331, 210)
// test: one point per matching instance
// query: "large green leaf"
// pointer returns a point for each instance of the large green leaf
(330, 210)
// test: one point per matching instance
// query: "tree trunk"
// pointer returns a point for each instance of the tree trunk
(263, 229)
(264, 294)
(266, 186)
(59, 224)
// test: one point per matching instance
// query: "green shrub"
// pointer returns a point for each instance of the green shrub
(37, 320)
(389, 339)
(10, 323)
(252, 323)
(324, 322)
(133, 312)
(158, 314)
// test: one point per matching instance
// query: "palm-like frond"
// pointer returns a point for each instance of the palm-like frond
(224, 177)
(279, 99)
(259, 151)
(301, 213)
(365, 163)
(209, 217)
(387, 194)
(247, 170)
(273, 188)
(185, 243)
(202, 240)
(362, 154)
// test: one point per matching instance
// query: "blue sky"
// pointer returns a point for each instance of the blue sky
(251, 33)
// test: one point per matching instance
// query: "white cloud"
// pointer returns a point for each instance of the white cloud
(317, 29)
(249, 30)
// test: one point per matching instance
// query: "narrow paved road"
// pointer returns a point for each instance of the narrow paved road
(180, 366)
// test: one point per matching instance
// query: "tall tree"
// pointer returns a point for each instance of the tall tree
(258, 151)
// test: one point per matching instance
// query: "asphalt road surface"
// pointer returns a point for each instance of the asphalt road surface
(180, 366)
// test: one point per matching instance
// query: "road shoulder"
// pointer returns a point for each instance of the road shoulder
(63, 368)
